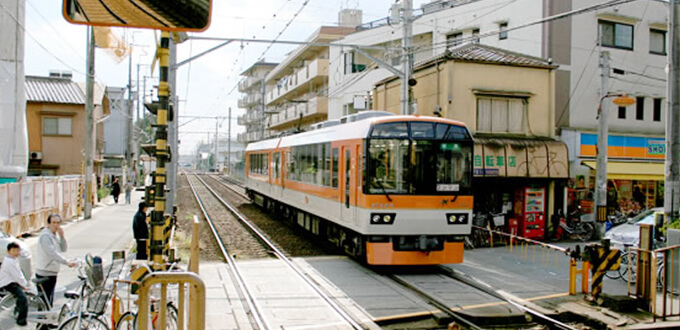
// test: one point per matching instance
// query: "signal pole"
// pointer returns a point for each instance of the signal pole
(602, 147)
(408, 57)
(672, 165)
(89, 123)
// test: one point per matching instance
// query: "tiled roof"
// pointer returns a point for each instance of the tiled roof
(473, 52)
(53, 90)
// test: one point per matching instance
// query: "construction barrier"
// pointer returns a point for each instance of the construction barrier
(25, 205)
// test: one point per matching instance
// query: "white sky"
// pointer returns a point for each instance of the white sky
(207, 86)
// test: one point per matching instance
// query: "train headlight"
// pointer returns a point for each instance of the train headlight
(383, 218)
(457, 218)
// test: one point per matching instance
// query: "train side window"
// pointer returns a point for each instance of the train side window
(290, 160)
(277, 165)
(326, 165)
(334, 166)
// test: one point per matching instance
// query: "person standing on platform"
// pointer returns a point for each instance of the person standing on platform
(128, 191)
(13, 281)
(140, 230)
(115, 190)
(51, 245)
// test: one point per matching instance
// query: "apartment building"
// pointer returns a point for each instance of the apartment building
(297, 88)
(252, 89)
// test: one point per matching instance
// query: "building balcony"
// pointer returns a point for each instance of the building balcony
(249, 100)
(315, 71)
(246, 83)
(314, 109)
(247, 137)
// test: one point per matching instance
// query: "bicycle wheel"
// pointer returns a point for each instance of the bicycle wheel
(127, 321)
(629, 258)
(8, 302)
(171, 318)
(86, 321)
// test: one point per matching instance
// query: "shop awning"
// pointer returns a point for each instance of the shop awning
(631, 170)
(527, 158)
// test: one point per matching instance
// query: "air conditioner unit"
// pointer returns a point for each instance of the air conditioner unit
(36, 155)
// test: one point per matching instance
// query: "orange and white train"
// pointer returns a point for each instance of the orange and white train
(393, 190)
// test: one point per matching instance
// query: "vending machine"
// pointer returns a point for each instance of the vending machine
(530, 211)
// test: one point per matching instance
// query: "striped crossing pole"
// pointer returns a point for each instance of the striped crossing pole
(603, 259)
(157, 230)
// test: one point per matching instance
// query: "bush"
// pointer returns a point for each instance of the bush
(103, 192)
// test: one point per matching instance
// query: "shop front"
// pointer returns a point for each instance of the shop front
(522, 182)
(635, 173)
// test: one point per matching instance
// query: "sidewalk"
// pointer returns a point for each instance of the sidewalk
(109, 229)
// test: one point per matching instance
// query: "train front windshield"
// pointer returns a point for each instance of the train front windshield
(419, 158)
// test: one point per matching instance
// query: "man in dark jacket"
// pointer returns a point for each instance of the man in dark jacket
(115, 190)
(141, 231)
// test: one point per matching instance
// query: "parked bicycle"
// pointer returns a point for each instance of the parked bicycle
(39, 310)
(576, 226)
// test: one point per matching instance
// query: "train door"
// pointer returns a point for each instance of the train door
(348, 181)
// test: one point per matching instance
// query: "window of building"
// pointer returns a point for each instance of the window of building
(622, 112)
(350, 66)
(453, 40)
(56, 126)
(657, 109)
(475, 36)
(616, 35)
(503, 31)
(640, 108)
(657, 42)
(501, 115)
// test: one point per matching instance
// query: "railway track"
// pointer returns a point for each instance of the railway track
(446, 307)
(257, 311)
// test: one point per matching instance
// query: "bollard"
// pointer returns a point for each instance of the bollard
(574, 271)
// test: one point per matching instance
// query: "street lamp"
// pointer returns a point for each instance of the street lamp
(621, 100)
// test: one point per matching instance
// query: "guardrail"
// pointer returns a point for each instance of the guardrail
(181, 281)
(657, 281)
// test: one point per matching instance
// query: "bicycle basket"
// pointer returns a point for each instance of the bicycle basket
(98, 300)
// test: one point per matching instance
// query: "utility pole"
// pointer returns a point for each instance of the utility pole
(602, 147)
(89, 123)
(407, 59)
(172, 127)
(229, 144)
(263, 115)
(128, 127)
(217, 142)
(672, 182)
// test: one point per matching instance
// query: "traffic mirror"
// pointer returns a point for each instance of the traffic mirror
(168, 15)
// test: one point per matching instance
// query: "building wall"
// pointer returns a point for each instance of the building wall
(585, 73)
(430, 35)
(456, 82)
(65, 151)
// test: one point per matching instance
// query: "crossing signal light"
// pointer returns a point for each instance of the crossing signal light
(153, 108)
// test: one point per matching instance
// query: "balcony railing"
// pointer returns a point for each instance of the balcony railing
(314, 107)
(249, 100)
(315, 70)
(248, 82)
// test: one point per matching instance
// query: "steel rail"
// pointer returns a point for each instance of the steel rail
(257, 313)
(552, 323)
(435, 302)
(283, 257)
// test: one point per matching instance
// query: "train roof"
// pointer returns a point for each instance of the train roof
(348, 131)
